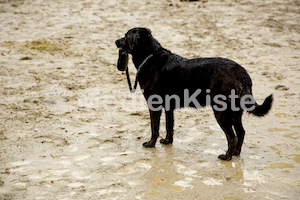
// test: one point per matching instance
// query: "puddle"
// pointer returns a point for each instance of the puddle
(177, 188)
(158, 182)
(297, 127)
(238, 175)
(275, 149)
(157, 179)
(291, 135)
(280, 115)
(283, 105)
(295, 157)
(44, 45)
(277, 129)
(292, 184)
(280, 165)
(228, 164)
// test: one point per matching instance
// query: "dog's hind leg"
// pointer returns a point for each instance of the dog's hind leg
(155, 120)
(225, 121)
(169, 127)
(240, 132)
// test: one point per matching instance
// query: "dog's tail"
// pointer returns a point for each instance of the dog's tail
(263, 109)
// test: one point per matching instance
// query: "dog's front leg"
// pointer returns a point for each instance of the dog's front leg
(169, 127)
(155, 120)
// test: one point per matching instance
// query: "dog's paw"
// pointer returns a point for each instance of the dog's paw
(149, 144)
(166, 141)
(225, 157)
(237, 153)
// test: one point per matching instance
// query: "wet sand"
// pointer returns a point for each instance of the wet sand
(70, 129)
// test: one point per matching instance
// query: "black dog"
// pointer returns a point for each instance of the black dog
(165, 74)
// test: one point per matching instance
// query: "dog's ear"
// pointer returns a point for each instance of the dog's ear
(132, 37)
(144, 34)
(137, 35)
(145, 31)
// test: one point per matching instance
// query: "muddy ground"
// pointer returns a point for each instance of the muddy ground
(70, 129)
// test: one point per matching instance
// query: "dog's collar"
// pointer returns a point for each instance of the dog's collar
(143, 63)
(137, 74)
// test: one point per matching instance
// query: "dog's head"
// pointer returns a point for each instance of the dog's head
(129, 44)
(132, 39)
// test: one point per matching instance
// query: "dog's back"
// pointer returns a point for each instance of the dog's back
(216, 75)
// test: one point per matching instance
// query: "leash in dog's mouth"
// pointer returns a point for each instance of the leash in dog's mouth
(122, 60)
(132, 90)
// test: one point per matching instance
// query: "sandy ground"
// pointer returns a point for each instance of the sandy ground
(70, 129)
